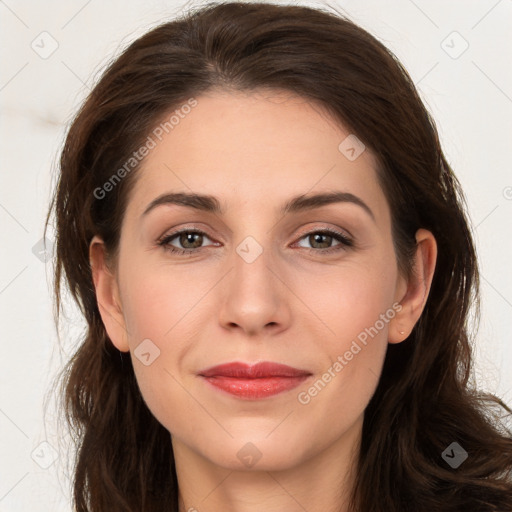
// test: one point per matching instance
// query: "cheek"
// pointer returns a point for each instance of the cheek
(155, 312)
(156, 300)
(355, 306)
(163, 309)
(143, 308)
(349, 299)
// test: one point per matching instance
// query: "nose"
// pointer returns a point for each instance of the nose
(254, 298)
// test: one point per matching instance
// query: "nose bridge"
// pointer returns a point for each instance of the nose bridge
(251, 235)
(252, 259)
(251, 232)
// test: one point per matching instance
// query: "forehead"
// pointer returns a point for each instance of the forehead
(253, 150)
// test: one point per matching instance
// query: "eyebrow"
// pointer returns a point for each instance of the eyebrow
(208, 203)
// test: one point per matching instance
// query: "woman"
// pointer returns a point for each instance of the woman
(227, 364)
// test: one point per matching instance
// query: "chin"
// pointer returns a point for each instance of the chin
(246, 455)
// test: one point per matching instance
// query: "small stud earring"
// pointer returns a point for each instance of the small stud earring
(401, 332)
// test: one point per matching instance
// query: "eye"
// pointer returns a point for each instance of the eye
(324, 238)
(191, 241)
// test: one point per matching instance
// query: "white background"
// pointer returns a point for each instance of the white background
(469, 96)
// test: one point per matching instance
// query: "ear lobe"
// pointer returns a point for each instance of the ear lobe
(107, 295)
(415, 297)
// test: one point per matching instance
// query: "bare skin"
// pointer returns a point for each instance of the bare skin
(293, 304)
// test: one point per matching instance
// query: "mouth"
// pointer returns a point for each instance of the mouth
(254, 382)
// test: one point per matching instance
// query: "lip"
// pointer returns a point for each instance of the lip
(253, 382)
(255, 371)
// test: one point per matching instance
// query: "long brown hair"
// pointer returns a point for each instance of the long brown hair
(426, 398)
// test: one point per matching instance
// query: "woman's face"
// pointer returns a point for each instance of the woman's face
(260, 283)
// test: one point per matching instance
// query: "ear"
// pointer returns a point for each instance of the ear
(413, 295)
(107, 295)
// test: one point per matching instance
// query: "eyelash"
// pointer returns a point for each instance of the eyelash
(345, 241)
